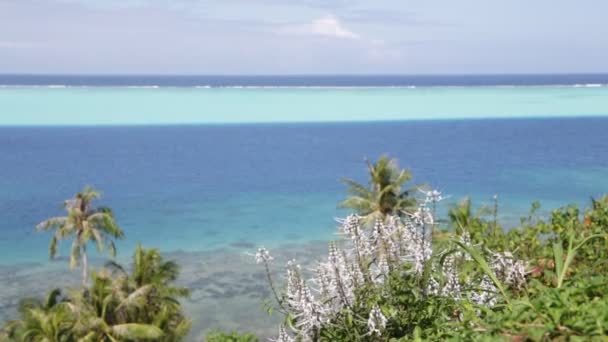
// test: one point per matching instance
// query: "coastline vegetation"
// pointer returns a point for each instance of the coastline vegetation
(398, 273)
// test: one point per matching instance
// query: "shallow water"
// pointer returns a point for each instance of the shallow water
(174, 105)
(228, 289)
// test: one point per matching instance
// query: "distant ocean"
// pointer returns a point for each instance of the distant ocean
(197, 187)
(218, 81)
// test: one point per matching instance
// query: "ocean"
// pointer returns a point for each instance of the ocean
(202, 182)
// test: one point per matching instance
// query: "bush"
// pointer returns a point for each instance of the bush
(404, 278)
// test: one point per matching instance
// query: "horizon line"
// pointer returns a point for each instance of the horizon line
(306, 74)
(297, 123)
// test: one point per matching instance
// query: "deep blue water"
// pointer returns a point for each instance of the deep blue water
(202, 187)
(303, 80)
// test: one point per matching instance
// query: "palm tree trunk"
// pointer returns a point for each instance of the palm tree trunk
(85, 266)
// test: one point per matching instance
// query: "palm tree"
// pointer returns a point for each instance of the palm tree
(151, 280)
(103, 312)
(461, 216)
(384, 196)
(83, 223)
(461, 219)
(50, 320)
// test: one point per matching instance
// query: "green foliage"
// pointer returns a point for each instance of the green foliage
(143, 305)
(410, 311)
(564, 298)
(220, 336)
(48, 320)
(576, 310)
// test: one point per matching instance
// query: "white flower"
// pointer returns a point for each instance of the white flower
(356, 276)
(432, 287)
(293, 282)
(422, 215)
(262, 256)
(334, 255)
(376, 322)
(486, 294)
(509, 270)
(351, 224)
(452, 285)
(433, 196)
(309, 314)
(283, 336)
(367, 255)
(323, 280)
(420, 251)
(465, 239)
(383, 268)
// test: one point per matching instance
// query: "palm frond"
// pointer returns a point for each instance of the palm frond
(115, 267)
(51, 223)
(356, 188)
(135, 331)
(65, 230)
(98, 239)
(404, 177)
(169, 270)
(112, 248)
(178, 292)
(91, 336)
(75, 254)
(361, 205)
(89, 194)
(52, 298)
(105, 222)
(136, 298)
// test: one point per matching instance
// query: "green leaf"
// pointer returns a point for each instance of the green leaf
(481, 261)
(558, 259)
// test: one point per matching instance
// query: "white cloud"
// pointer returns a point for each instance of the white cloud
(328, 26)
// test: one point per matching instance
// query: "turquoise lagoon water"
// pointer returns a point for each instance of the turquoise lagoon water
(171, 105)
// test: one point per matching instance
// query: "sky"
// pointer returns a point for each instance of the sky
(303, 36)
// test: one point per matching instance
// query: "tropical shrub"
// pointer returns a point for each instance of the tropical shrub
(48, 320)
(117, 306)
(474, 280)
(399, 273)
(392, 281)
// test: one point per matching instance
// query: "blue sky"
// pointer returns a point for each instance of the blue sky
(302, 36)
